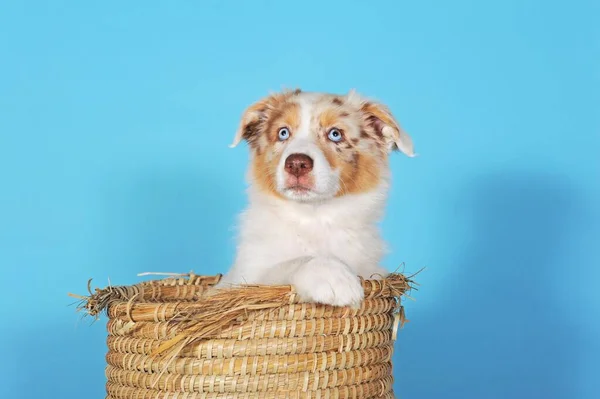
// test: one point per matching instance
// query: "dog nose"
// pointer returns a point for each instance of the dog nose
(298, 164)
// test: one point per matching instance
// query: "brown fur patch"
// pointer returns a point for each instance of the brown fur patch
(278, 111)
(264, 173)
(361, 174)
(251, 132)
(329, 118)
(330, 154)
(290, 115)
(286, 115)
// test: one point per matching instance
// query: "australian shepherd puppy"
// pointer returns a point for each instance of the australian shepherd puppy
(318, 176)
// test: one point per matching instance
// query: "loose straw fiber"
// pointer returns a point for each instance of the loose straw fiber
(176, 339)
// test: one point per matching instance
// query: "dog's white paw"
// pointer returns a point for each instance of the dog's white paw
(329, 282)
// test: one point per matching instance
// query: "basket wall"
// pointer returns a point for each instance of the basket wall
(277, 350)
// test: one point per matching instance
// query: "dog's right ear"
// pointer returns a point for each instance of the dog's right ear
(252, 119)
(255, 116)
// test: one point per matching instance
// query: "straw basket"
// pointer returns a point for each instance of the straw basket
(168, 339)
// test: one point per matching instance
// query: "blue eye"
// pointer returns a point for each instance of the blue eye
(284, 134)
(335, 135)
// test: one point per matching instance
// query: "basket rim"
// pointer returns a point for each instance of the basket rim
(223, 307)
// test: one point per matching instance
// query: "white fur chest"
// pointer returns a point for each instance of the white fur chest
(276, 232)
(316, 235)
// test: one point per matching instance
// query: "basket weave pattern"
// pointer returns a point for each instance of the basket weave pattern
(169, 339)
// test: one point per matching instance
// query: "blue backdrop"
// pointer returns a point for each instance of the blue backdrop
(114, 123)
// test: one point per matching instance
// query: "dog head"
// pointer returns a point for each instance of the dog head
(315, 146)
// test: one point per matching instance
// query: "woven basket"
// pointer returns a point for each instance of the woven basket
(169, 339)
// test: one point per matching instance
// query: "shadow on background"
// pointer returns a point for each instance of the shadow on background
(498, 329)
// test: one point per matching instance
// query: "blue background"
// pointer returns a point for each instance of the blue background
(114, 123)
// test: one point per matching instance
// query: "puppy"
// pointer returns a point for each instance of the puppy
(318, 180)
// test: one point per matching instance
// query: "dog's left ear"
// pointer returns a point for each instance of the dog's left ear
(381, 120)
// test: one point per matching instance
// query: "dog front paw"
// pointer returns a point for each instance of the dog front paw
(329, 282)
